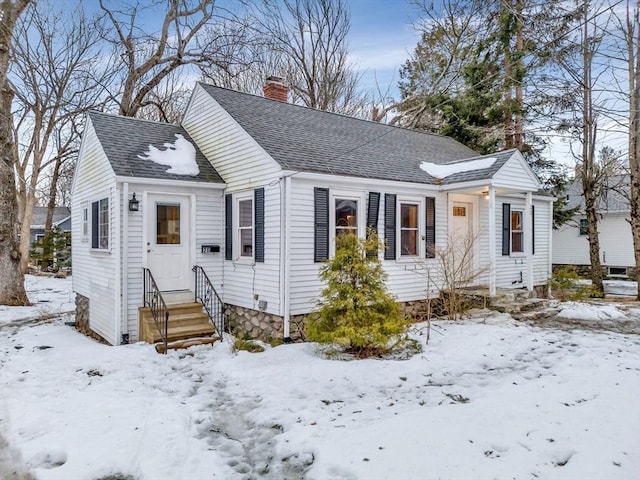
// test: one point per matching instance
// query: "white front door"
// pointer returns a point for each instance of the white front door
(168, 241)
(461, 255)
(461, 226)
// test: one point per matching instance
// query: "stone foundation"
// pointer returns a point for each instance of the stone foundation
(263, 326)
(82, 319)
(82, 313)
(585, 271)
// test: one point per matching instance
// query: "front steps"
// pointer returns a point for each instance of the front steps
(188, 325)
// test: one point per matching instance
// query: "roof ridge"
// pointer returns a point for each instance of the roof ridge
(124, 117)
(343, 115)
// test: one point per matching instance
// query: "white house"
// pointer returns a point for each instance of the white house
(571, 243)
(276, 183)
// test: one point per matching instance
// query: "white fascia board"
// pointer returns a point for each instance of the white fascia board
(368, 183)
(162, 182)
(464, 185)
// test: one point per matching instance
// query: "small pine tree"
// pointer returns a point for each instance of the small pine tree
(53, 251)
(357, 312)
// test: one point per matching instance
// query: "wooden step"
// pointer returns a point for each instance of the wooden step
(186, 321)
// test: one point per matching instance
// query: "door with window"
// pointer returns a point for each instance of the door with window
(168, 241)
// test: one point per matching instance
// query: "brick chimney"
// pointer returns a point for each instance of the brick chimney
(275, 89)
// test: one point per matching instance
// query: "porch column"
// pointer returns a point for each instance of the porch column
(492, 241)
(528, 239)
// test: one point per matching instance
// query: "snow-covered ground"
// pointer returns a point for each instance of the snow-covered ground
(488, 398)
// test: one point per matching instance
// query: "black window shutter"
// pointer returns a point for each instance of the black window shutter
(506, 228)
(389, 226)
(533, 230)
(228, 227)
(430, 227)
(321, 224)
(372, 217)
(94, 225)
(258, 211)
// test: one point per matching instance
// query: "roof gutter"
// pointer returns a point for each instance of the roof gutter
(173, 182)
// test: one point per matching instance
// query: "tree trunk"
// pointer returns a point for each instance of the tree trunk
(518, 139)
(51, 207)
(588, 172)
(12, 290)
(633, 47)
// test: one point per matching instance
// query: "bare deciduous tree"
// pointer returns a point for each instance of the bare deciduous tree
(191, 32)
(310, 40)
(631, 32)
(12, 290)
(56, 72)
(455, 268)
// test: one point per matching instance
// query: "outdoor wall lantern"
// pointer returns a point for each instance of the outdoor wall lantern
(134, 203)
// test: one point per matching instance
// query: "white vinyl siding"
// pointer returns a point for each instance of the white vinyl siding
(236, 156)
(616, 242)
(511, 271)
(245, 166)
(516, 174)
(94, 271)
(407, 279)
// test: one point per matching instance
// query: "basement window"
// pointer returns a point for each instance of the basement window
(620, 272)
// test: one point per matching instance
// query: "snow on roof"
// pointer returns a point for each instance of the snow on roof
(180, 156)
(442, 171)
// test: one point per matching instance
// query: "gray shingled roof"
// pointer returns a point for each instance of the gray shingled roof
(124, 138)
(614, 199)
(39, 215)
(308, 140)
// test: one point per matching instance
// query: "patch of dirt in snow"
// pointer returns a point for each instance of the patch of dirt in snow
(11, 466)
(598, 316)
(249, 446)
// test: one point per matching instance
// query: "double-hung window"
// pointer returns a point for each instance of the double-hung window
(346, 216)
(517, 231)
(245, 227)
(100, 224)
(584, 227)
(409, 239)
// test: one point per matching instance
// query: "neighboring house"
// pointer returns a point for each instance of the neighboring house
(61, 219)
(276, 183)
(62, 223)
(571, 243)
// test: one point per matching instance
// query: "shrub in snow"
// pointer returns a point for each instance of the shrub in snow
(357, 312)
(564, 285)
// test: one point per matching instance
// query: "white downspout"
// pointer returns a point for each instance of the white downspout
(550, 252)
(117, 254)
(492, 241)
(528, 239)
(287, 255)
(125, 259)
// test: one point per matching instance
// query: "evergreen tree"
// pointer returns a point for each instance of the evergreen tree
(357, 312)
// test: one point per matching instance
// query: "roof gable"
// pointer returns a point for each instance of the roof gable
(124, 140)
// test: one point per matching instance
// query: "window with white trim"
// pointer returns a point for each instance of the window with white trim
(346, 216)
(517, 231)
(100, 224)
(409, 225)
(85, 222)
(245, 227)
(583, 228)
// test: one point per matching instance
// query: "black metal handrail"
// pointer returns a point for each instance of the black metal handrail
(206, 294)
(159, 311)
